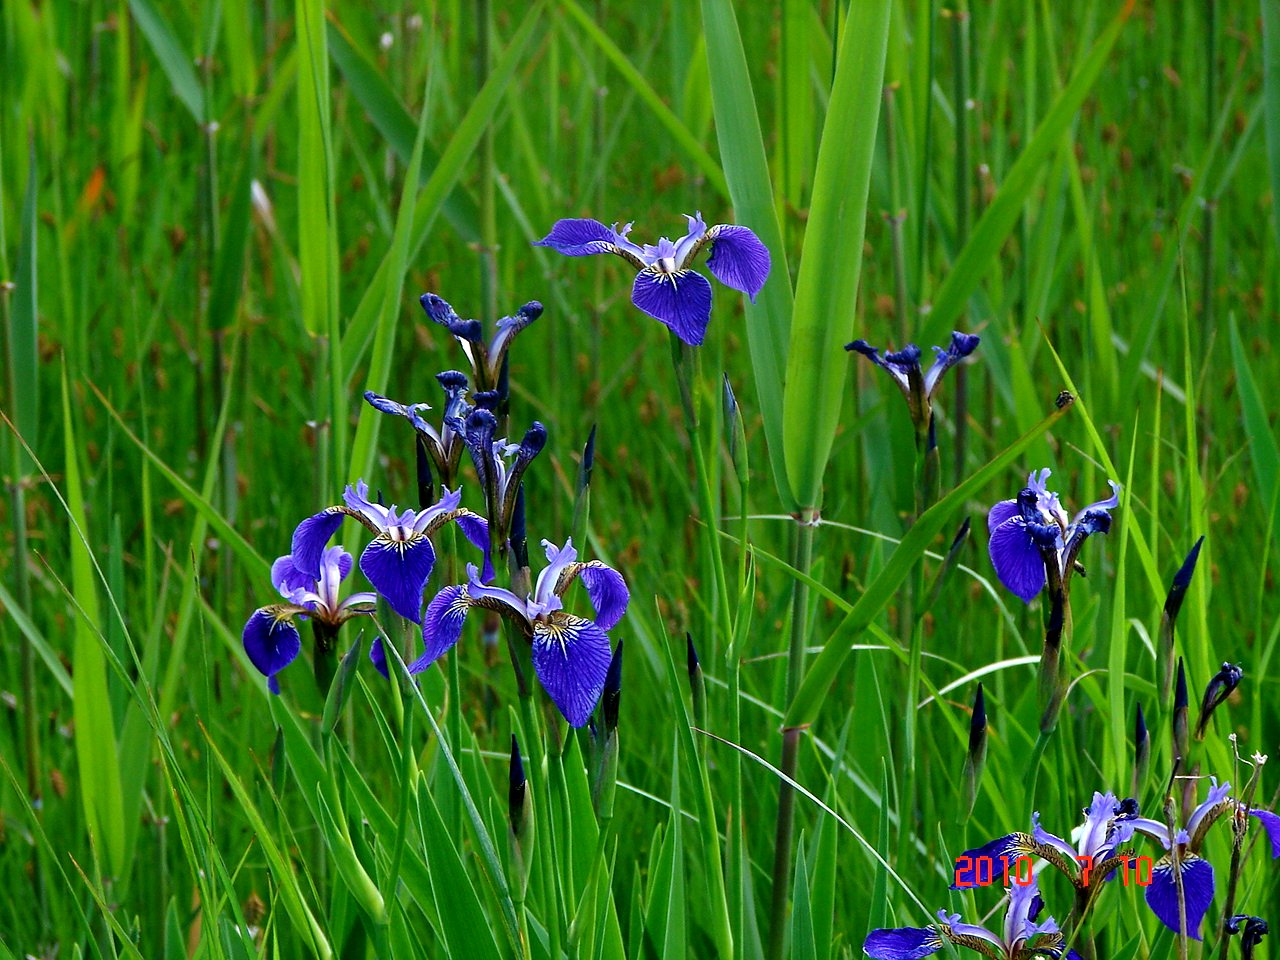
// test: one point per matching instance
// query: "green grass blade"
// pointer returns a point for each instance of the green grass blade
(95, 732)
(174, 59)
(23, 380)
(997, 221)
(746, 168)
(803, 946)
(823, 670)
(1271, 97)
(453, 162)
(827, 287)
(681, 134)
(1263, 450)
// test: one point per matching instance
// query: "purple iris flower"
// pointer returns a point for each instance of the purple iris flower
(487, 358)
(1031, 531)
(1197, 874)
(1108, 823)
(666, 288)
(443, 444)
(1021, 938)
(399, 559)
(270, 638)
(571, 654)
(918, 385)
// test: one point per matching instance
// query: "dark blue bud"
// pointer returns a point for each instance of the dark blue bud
(531, 311)
(452, 380)
(588, 459)
(612, 697)
(1182, 581)
(517, 786)
(1220, 687)
(535, 438)
(864, 348)
(1180, 690)
(486, 399)
(906, 357)
(691, 655)
(978, 724)
(963, 344)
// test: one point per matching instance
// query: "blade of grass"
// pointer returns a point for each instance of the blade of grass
(746, 168)
(174, 59)
(997, 221)
(827, 286)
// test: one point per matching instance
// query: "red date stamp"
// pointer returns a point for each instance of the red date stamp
(981, 871)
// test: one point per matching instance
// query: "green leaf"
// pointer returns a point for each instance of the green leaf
(802, 942)
(993, 228)
(176, 61)
(827, 287)
(1271, 97)
(826, 666)
(393, 121)
(746, 168)
(95, 729)
(1263, 450)
(24, 367)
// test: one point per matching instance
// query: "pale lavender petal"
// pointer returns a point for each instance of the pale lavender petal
(738, 258)
(476, 530)
(287, 578)
(271, 642)
(571, 658)
(399, 570)
(1017, 559)
(508, 327)
(1270, 823)
(1002, 511)
(608, 592)
(310, 538)
(1197, 886)
(442, 625)
(1217, 794)
(902, 943)
(680, 300)
(687, 246)
(1040, 835)
(580, 238)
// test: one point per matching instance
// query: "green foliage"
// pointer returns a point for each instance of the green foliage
(215, 220)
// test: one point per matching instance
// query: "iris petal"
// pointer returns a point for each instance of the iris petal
(1002, 511)
(1197, 886)
(442, 626)
(378, 657)
(476, 530)
(310, 537)
(738, 258)
(272, 642)
(1017, 559)
(608, 592)
(399, 570)
(681, 300)
(1270, 823)
(580, 238)
(571, 658)
(902, 943)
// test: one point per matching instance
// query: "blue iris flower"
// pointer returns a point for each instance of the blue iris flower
(1032, 530)
(917, 384)
(666, 288)
(487, 357)
(443, 444)
(1197, 873)
(571, 654)
(399, 559)
(1022, 936)
(270, 637)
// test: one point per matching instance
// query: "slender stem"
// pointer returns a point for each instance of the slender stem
(802, 560)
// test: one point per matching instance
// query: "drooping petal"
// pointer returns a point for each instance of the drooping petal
(410, 412)
(1011, 845)
(476, 529)
(962, 344)
(438, 309)
(584, 237)
(607, 590)
(1197, 886)
(287, 578)
(442, 626)
(902, 943)
(571, 658)
(1017, 559)
(272, 641)
(738, 258)
(399, 570)
(1045, 838)
(309, 539)
(1270, 823)
(378, 657)
(508, 327)
(1002, 511)
(681, 300)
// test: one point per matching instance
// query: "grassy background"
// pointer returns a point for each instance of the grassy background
(215, 233)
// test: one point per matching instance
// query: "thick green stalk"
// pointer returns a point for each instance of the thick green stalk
(802, 560)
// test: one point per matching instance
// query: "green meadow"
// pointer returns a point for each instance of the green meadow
(217, 218)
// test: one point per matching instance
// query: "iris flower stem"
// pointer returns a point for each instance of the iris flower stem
(686, 361)
(802, 560)
(408, 773)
